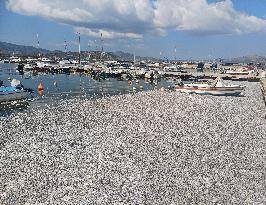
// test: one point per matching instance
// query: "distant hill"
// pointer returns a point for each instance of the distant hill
(130, 56)
(123, 55)
(9, 49)
(249, 59)
(20, 50)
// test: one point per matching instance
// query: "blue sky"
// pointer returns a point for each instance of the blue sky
(197, 30)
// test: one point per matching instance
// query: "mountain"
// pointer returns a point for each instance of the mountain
(130, 57)
(123, 55)
(9, 49)
(20, 50)
(249, 59)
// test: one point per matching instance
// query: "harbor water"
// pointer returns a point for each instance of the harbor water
(67, 86)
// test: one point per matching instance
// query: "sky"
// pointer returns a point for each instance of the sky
(181, 29)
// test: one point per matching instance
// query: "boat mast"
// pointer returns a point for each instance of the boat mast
(65, 47)
(79, 46)
(134, 60)
(38, 44)
(89, 53)
(102, 41)
(102, 46)
(175, 56)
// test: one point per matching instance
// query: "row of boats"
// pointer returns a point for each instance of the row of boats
(16, 90)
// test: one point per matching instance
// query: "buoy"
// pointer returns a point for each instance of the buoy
(129, 82)
(40, 92)
(40, 87)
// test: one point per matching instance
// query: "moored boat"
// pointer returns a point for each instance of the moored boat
(14, 92)
(217, 88)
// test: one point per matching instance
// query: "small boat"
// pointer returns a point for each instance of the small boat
(217, 88)
(20, 67)
(28, 67)
(237, 72)
(40, 69)
(14, 92)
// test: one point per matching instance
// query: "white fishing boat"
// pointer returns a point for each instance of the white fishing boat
(148, 74)
(29, 66)
(217, 88)
(14, 92)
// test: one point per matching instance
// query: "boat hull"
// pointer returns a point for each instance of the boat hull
(216, 91)
(11, 96)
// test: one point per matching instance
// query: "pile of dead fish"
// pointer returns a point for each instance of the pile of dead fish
(148, 148)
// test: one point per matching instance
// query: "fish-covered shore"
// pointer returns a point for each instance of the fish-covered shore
(149, 148)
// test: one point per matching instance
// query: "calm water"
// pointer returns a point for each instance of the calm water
(63, 86)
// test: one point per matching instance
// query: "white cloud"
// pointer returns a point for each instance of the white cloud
(106, 34)
(199, 16)
(134, 18)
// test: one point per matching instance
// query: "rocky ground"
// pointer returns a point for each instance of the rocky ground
(149, 148)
